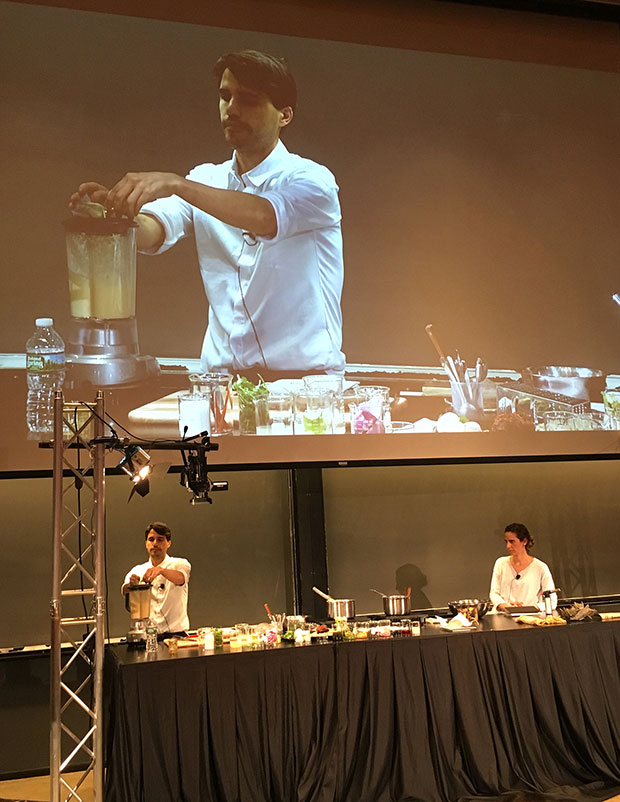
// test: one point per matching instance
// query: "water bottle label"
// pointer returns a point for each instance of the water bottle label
(45, 363)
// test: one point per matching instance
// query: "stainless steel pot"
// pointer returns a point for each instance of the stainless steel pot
(575, 382)
(396, 605)
(338, 608)
(341, 608)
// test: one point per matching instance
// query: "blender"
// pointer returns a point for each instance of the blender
(103, 346)
(138, 604)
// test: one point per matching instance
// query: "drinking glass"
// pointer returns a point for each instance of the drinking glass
(467, 399)
(367, 417)
(371, 390)
(591, 421)
(274, 415)
(193, 413)
(314, 412)
(243, 635)
(611, 402)
(330, 383)
(559, 420)
(218, 387)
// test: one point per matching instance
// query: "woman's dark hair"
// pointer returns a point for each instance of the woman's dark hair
(261, 72)
(159, 527)
(522, 532)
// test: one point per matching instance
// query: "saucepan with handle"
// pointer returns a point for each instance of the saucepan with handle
(395, 604)
(337, 608)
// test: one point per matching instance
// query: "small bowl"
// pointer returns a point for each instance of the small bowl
(483, 606)
(402, 427)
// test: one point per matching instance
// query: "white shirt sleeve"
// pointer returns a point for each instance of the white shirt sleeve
(496, 581)
(175, 215)
(306, 201)
(182, 565)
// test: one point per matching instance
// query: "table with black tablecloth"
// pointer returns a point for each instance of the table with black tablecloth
(435, 718)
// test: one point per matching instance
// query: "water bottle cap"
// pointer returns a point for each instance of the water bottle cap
(41, 322)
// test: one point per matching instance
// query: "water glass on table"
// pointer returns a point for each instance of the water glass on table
(332, 383)
(314, 412)
(218, 387)
(193, 414)
(559, 421)
(611, 402)
(368, 415)
(274, 415)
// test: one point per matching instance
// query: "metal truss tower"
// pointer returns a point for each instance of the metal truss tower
(77, 606)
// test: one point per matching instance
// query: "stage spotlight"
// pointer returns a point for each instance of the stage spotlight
(135, 463)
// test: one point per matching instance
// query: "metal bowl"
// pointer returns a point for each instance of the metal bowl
(455, 607)
(583, 383)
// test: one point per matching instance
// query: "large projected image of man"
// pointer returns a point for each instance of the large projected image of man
(266, 225)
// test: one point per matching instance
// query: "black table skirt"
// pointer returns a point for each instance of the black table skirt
(431, 719)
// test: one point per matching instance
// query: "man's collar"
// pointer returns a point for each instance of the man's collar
(167, 557)
(270, 164)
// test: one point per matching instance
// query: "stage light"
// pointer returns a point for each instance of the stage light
(135, 463)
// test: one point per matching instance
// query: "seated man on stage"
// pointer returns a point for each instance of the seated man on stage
(169, 580)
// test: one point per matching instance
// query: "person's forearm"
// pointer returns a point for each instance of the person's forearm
(238, 209)
(496, 598)
(176, 577)
(151, 234)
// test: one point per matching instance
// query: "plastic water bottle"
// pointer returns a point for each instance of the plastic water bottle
(45, 372)
(151, 639)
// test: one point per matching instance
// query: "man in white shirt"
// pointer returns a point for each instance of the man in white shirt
(169, 580)
(266, 226)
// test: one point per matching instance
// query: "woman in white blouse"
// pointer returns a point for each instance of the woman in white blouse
(519, 579)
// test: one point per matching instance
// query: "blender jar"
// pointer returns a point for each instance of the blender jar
(101, 257)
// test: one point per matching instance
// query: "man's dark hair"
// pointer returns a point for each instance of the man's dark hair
(159, 527)
(522, 532)
(262, 73)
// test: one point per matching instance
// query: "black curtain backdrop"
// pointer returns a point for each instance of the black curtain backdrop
(452, 718)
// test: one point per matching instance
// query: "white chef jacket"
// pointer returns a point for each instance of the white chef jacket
(273, 303)
(528, 589)
(168, 601)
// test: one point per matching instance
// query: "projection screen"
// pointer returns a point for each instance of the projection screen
(477, 194)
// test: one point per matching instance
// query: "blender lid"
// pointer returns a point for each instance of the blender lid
(99, 225)
(141, 586)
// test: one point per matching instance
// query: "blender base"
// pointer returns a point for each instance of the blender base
(111, 371)
(105, 353)
(136, 640)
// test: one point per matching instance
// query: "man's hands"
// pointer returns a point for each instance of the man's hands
(129, 194)
(96, 192)
(142, 187)
(151, 573)
(242, 210)
(135, 189)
